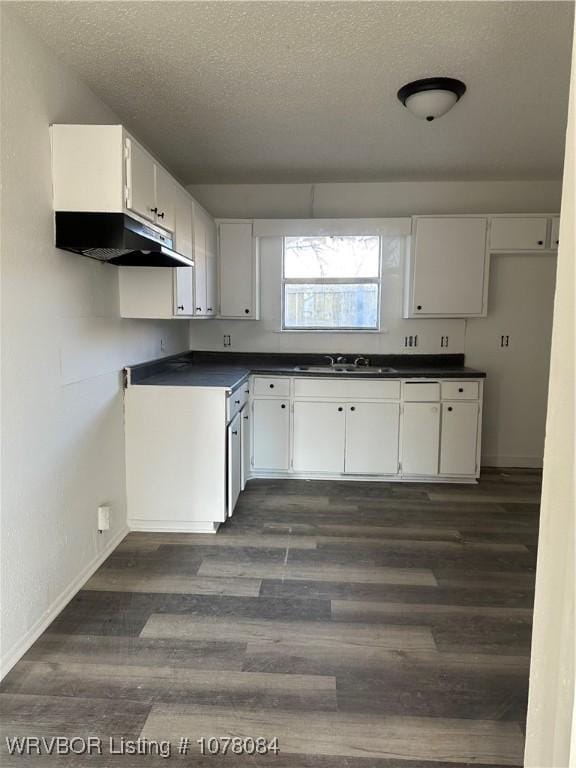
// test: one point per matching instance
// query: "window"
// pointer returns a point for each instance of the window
(331, 283)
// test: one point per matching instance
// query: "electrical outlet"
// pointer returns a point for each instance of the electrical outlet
(162, 345)
(444, 341)
(505, 341)
(104, 518)
(411, 341)
(227, 340)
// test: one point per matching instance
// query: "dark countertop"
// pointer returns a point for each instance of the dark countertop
(229, 370)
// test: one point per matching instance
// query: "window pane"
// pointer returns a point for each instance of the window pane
(331, 305)
(326, 257)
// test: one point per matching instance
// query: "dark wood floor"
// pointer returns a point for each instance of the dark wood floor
(366, 625)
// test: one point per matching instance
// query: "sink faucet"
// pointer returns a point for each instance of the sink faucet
(332, 361)
(361, 360)
(341, 360)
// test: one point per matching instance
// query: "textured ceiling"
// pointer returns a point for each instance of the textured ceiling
(306, 91)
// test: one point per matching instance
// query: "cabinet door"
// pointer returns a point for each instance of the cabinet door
(236, 261)
(448, 267)
(183, 237)
(420, 438)
(234, 462)
(246, 453)
(372, 438)
(167, 193)
(319, 434)
(211, 285)
(518, 233)
(458, 442)
(271, 434)
(555, 232)
(140, 180)
(184, 291)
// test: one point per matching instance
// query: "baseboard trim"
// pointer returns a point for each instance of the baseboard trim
(438, 479)
(530, 462)
(8, 660)
(172, 526)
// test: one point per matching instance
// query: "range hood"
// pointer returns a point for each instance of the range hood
(117, 239)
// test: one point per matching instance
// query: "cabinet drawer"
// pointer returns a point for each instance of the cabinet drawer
(236, 401)
(518, 233)
(273, 386)
(421, 391)
(460, 390)
(347, 389)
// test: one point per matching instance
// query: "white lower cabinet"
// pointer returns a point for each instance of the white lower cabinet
(234, 442)
(271, 419)
(372, 438)
(459, 444)
(319, 437)
(245, 431)
(420, 438)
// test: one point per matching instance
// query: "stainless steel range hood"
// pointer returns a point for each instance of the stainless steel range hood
(117, 239)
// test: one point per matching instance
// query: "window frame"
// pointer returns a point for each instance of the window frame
(331, 281)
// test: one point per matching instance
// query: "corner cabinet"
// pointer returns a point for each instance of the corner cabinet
(447, 267)
(239, 270)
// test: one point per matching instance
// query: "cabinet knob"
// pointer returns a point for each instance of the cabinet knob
(246, 417)
(198, 309)
(460, 389)
(209, 309)
(449, 407)
(340, 408)
(247, 311)
(271, 386)
(557, 242)
(161, 215)
(236, 402)
(419, 306)
(540, 242)
(180, 306)
(153, 210)
(283, 405)
(352, 408)
(234, 431)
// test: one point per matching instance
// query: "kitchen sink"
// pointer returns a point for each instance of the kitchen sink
(369, 369)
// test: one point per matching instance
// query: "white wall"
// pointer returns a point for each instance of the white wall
(63, 348)
(551, 724)
(377, 199)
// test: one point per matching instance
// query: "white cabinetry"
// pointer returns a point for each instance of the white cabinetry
(319, 434)
(205, 279)
(555, 232)
(140, 181)
(271, 448)
(234, 462)
(246, 429)
(459, 444)
(372, 438)
(420, 438)
(518, 233)
(238, 271)
(447, 267)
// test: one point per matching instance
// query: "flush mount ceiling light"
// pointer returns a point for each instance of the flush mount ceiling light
(432, 97)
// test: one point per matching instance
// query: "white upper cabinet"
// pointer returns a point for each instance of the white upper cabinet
(140, 181)
(518, 233)
(167, 192)
(555, 232)
(238, 271)
(205, 280)
(447, 268)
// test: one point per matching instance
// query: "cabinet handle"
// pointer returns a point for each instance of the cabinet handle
(449, 407)
(460, 389)
(161, 215)
(153, 210)
(198, 309)
(340, 408)
(180, 306)
(246, 417)
(209, 309)
(247, 311)
(234, 431)
(236, 402)
(283, 405)
(352, 408)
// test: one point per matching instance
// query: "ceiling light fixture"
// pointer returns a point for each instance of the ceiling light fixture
(432, 97)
